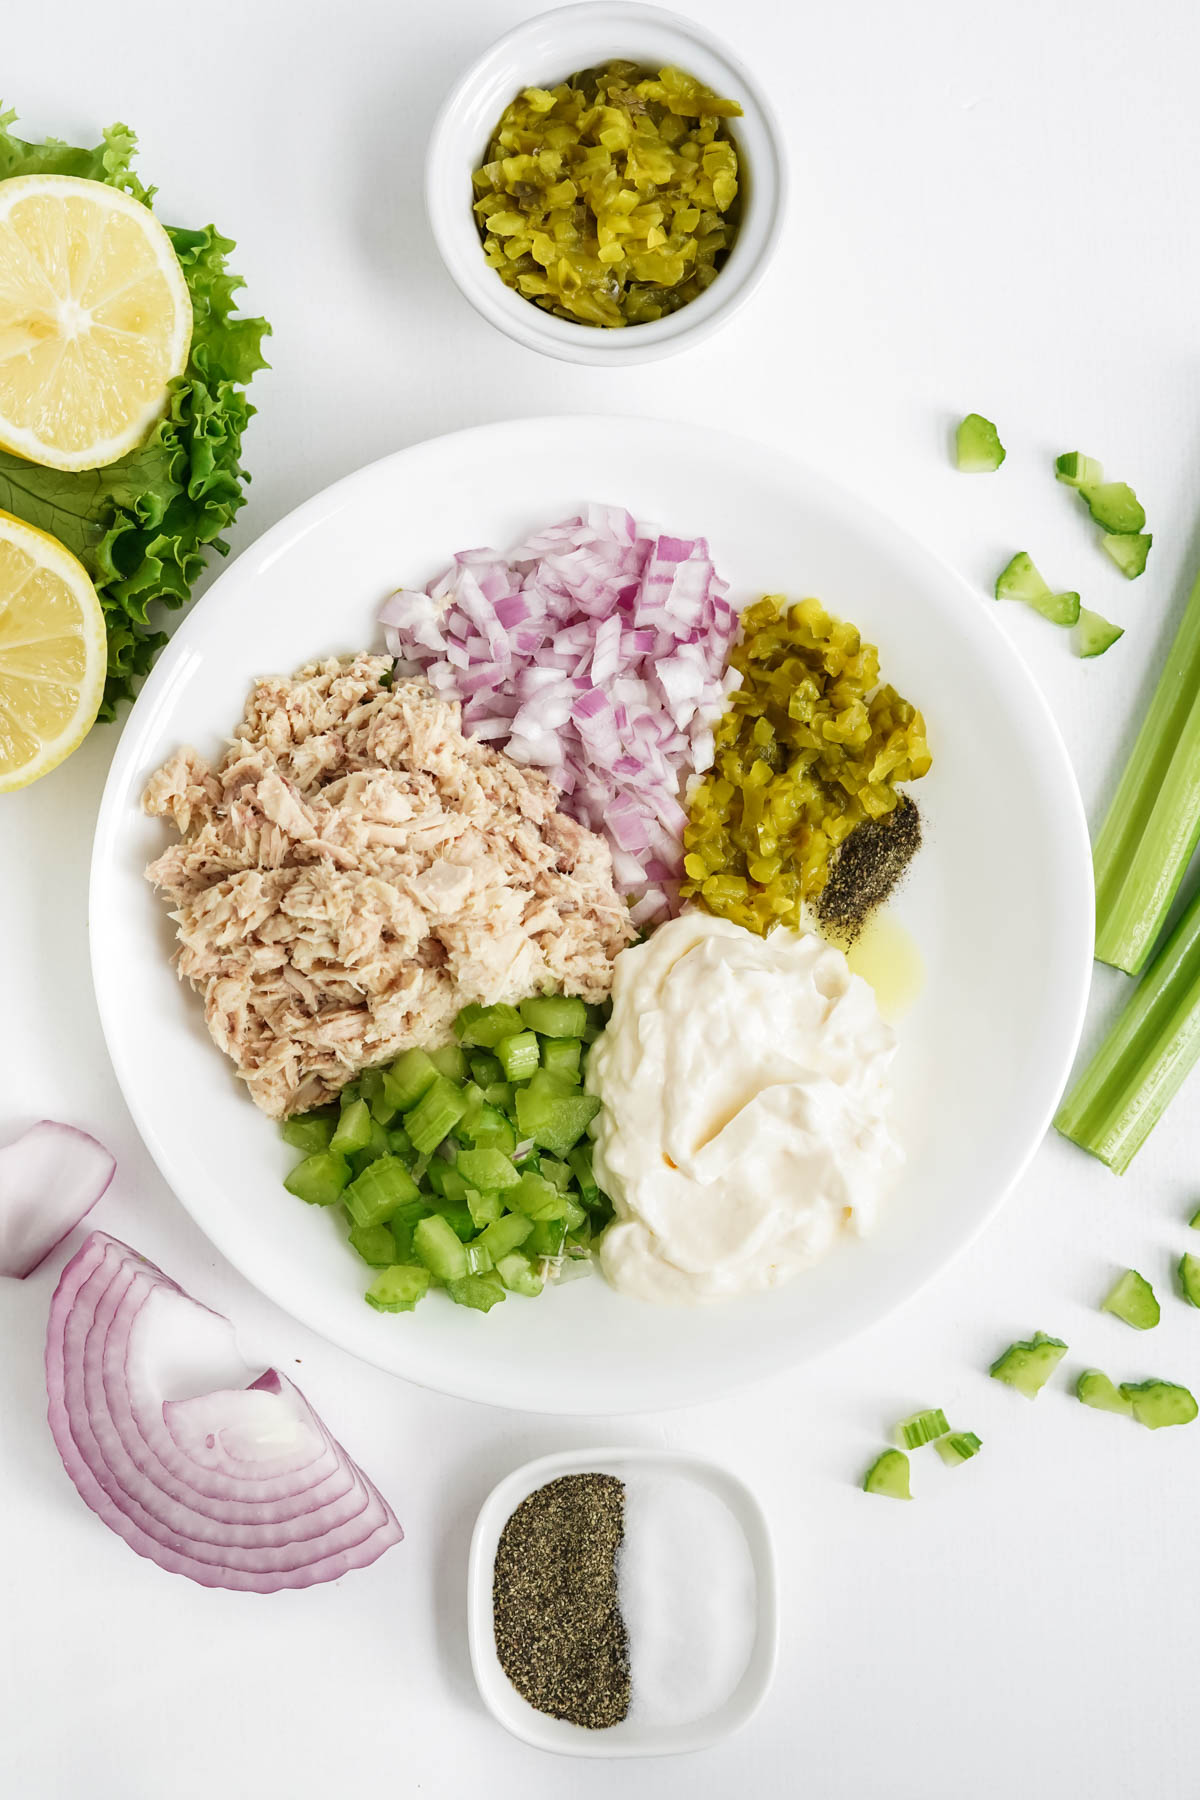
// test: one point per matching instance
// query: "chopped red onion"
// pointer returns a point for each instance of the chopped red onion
(597, 651)
(241, 1487)
(49, 1179)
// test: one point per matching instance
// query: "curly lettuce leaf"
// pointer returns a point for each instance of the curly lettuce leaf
(142, 527)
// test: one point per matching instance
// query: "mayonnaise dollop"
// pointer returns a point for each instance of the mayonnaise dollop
(744, 1083)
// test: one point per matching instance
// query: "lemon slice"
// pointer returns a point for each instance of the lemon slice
(95, 320)
(53, 653)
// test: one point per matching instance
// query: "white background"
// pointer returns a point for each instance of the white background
(994, 208)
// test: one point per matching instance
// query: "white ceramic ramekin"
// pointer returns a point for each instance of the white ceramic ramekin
(633, 1737)
(542, 52)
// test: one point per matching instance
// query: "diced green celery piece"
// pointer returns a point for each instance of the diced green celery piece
(473, 1105)
(487, 1129)
(485, 1209)
(400, 1144)
(1189, 1278)
(1028, 1365)
(485, 1026)
(485, 1068)
(398, 1289)
(443, 1179)
(518, 1055)
(457, 1215)
(1020, 580)
(410, 1076)
(479, 1259)
(537, 1198)
(958, 1447)
(546, 1239)
(481, 1292)
(309, 1132)
(505, 1234)
(1159, 1403)
(348, 1093)
(558, 1174)
(375, 1194)
(580, 1160)
(499, 1094)
(888, 1475)
(1114, 506)
(1129, 552)
(383, 1107)
(921, 1428)
(575, 1217)
(1095, 634)
(488, 1169)
(320, 1179)
(561, 1057)
(376, 1244)
(518, 1275)
(598, 1014)
(1060, 609)
(555, 1121)
(439, 1109)
(1140, 1065)
(977, 446)
(1078, 470)
(555, 1015)
(1095, 1389)
(376, 1146)
(440, 1248)
(353, 1130)
(1132, 1298)
(1194, 1221)
(450, 1060)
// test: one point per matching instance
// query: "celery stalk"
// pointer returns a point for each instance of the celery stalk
(1126, 1088)
(1154, 822)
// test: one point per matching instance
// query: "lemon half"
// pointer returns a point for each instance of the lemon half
(95, 320)
(53, 653)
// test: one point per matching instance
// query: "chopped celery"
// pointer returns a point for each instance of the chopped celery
(537, 1198)
(1114, 506)
(375, 1194)
(580, 1161)
(888, 1475)
(1028, 1365)
(1194, 1221)
(598, 1014)
(921, 1428)
(555, 1121)
(1189, 1278)
(485, 1068)
(1138, 1068)
(1159, 1403)
(1020, 580)
(481, 1292)
(479, 1259)
(439, 1248)
(546, 1239)
(376, 1244)
(383, 1107)
(309, 1132)
(484, 1026)
(450, 1060)
(398, 1289)
(485, 1209)
(518, 1275)
(1154, 822)
(499, 1095)
(353, 1130)
(375, 1147)
(555, 1015)
(488, 1129)
(1078, 470)
(399, 1143)
(446, 1181)
(575, 1217)
(518, 1055)
(977, 446)
(1096, 634)
(457, 1215)
(320, 1179)
(1095, 1389)
(561, 1057)
(506, 1234)
(440, 1107)
(489, 1169)
(410, 1076)
(558, 1174)
(958, 1447)
(1132, 1298)
(1128, 552)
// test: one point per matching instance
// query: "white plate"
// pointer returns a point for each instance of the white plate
(633, 1737)
(1000, 899)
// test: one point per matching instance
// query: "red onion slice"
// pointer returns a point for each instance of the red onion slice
(236, 1487)
(49, 1180)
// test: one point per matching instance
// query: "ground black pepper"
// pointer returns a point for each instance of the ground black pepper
(560, 1636)
(866, 869)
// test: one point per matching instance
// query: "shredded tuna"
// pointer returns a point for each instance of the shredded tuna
(356, 870)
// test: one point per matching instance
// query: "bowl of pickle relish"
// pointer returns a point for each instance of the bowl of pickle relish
(606, 184)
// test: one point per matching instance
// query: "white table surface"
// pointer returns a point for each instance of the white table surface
(994, 209)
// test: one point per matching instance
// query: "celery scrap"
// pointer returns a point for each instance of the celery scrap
(1153, 825)
(1141, 1064)
(1132, 1298)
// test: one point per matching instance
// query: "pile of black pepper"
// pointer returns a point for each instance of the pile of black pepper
(560, 1636)
(866, 869)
